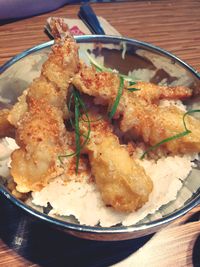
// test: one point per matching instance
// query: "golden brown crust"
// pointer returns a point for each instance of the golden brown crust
(58, 27)
(18, 110)
(41, 137)
(152, 93)
(141, 115)
(38, 117)
(53, 83)
(62, 63)
(6, 129)
(155, 124)
(123, 184)
(103, 86)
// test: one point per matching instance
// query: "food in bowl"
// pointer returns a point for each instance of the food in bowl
(96, 144)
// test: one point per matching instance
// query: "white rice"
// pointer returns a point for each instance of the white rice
(82, 199)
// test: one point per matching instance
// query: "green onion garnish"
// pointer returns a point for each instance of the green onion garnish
(122, 77)
(100, 67)
(69, 108)
(78, 102)
(97, 65)
(165, 141)
(77, 130)
(87, 136)
(133, 89)
(116, 103)
(176, 136)
(132, 83)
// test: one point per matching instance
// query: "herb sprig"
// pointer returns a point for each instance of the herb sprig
(176, 136)
(130, 89)
(100, 67)
(118, 97)
(77, 130)
(78, 105)
(122, 77)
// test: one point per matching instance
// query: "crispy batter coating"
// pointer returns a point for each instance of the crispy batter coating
(155, 124)
(11, 185)
(98, 84)
(170, 120)
(151, 93)
(38, 118)
(6, 129)
(123, 184)
(53, 83)
(104, 87)
(41, 88)
(41, 137)
(62, 63)
(59, 29)
(141, 115)
(18, 110)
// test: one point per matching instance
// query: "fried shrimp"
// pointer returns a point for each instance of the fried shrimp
(104, 86)
(41, 88)
(53, 83)
(98, 84)
(62, 63)
(155, 124)
(50, 147)
(101, 85)
(141, 115)
(122, 183)
(38, 118)
(41, 137)
(151, 93)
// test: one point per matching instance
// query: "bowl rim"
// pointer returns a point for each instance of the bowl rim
(94, 229)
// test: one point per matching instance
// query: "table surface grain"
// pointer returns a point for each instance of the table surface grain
(172, 25)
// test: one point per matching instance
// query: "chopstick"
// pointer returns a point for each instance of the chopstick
(88, 16)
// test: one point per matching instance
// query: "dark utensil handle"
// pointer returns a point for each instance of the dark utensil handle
(88, 16)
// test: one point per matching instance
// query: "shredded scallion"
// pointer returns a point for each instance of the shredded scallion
(133, 89)
(78, 103)
(122, 77)
(100, 67)
(77, 130)
(116, 103)
(176, 136)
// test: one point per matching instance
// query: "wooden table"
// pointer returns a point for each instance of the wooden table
(172, 25)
